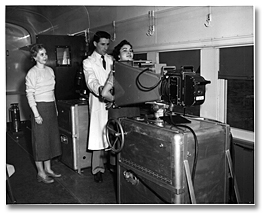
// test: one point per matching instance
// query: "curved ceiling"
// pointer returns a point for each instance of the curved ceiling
(48, 19)
(71, 19)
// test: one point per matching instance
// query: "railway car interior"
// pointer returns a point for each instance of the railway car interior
(192, 78)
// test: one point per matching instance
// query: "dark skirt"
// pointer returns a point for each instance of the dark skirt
(45, 137)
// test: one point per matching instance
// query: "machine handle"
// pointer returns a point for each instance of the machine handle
(131, 178)
(115, 129)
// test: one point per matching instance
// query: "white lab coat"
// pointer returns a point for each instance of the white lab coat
(96, 76)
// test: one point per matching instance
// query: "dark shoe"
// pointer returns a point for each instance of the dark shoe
(44, 180)
(98, 177)
(53, 174)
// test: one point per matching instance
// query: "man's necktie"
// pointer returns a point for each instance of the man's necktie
(103, 62)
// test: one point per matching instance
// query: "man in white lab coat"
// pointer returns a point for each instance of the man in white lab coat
(96, 70)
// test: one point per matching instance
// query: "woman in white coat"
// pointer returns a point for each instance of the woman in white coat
(96, 70)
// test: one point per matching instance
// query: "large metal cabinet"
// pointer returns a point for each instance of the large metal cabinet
(152, 166)
(73, 121)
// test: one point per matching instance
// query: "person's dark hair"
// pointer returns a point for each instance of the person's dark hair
(34, 50)
(96, 38)
(101, 34)
(117, 48)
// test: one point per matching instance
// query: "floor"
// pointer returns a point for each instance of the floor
(71, 188)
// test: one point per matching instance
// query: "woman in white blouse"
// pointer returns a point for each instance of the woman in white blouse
(40, 83)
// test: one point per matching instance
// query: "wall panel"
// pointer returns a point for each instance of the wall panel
(184, 28)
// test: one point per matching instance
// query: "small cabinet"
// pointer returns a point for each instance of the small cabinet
(73, 119)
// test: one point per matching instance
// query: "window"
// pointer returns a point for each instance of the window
(140, 56)
(240, 104)
(236, 66)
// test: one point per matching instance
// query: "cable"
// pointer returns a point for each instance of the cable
(142, 87)
(195, 147)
